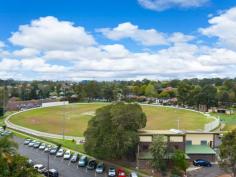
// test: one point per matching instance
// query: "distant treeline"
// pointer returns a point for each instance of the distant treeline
(190, 92)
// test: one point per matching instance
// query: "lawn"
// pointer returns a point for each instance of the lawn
(78, 115)
(228, 120)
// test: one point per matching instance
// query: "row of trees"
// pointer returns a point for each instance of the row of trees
(191, 92)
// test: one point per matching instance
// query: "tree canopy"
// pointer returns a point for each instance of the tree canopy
(113, 132)
(228, 152)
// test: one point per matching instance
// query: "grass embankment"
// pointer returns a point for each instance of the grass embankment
(77, 116)
(228, 120)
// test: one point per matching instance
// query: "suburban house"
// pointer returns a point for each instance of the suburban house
(195, 144)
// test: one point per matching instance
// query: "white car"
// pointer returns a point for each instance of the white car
(67, 155)
(31, 144)
(40, 168)
(60, 153)
(42, 146)
(133, 174)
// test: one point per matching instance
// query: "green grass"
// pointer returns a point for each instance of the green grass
(77, 117)
(163, 118)
(228, 120)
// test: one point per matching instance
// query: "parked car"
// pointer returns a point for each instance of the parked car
(54, 150)
(48, 148)
(60, 153)
(121, 173)
(112, 172)
(201, 162)
(42, 146)
(83, 161)
(74, 158)
(100, 168)
(133, 174)
(27, 141)
(40, 168)
(67, 155)
(31, 144)
(92, 164)
(51, 173)
(37, 144)
(30, 162)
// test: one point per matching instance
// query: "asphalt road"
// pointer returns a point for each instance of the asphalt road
(64, 167)
(213, 171)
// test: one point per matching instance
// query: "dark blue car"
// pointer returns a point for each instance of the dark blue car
(202, 163)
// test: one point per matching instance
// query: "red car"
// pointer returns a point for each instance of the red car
(121, 173)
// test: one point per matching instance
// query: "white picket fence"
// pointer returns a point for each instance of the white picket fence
(212, 125)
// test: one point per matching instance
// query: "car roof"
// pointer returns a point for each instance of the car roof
(53, 170)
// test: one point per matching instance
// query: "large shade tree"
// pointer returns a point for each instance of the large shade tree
(228, 153)
(113, 132)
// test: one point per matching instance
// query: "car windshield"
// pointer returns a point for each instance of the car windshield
(112, 169)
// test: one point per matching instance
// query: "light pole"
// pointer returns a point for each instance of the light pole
(178, 123)
(64, 116)
(48, 164)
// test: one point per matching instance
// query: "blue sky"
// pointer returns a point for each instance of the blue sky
(106, 40)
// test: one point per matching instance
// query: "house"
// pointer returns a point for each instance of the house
(195, 144)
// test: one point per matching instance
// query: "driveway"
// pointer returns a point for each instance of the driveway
(213, 171)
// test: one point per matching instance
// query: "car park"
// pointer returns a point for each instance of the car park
(111, 172)
(74, 158)
(40, 168)
(201, 162)
(60, 153)
(53, 150)
(27, 141)
(5, 133)
(36, 144)
(133, 174)
(92, 164)
(42, 146)
(48, 148)
(30, 162)
(51, 173)
(83, 161)
(100, 168)
(121, 173)
(67, 155)
(31, 144)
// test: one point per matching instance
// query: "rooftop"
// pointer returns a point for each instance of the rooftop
(199, 149)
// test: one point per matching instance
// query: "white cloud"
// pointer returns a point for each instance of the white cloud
(223, 27)
(39, 65)
(146, 37)
(26, 53)
(48, 33)
(7, 64)
(160, 5)
(181, 57)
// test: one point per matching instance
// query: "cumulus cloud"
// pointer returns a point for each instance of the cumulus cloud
(26, 53)
(146, 37)
(179, 57)
(160, 5)
(48, 33)
(223, 27)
